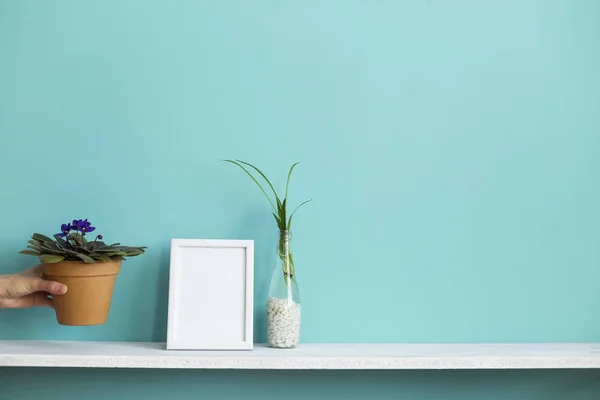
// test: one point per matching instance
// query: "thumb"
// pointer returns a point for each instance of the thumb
(34, 284)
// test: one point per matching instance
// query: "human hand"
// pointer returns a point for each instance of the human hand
(28, 289)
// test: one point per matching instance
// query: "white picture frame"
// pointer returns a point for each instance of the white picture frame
(211, 295)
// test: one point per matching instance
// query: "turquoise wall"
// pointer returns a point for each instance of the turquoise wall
(451, 149)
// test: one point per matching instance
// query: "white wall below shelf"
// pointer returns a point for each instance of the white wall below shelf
(306, 356)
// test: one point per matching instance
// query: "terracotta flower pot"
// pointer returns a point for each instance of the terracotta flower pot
(90, 289)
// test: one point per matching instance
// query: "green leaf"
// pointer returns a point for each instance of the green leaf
(282, 214)
(112, 245)
(76, 237)
(62, 242)
(51, 258)
(49, 249)
(51, 245)
(134, 252)
(107, 249)
(39, 249)
(85, 249)
(85, 258)
(92, 246)
(127, 248)
(287, 184)
(76, 240)
(261, 174)
(100, 256)
(41, 238)
(277, 219)
(30, 253)
(254, 179)
(35, 245)
(114, 253)
(35, 242)
(293, 212)
(44, 250)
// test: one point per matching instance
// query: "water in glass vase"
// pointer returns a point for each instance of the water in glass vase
(283, 304)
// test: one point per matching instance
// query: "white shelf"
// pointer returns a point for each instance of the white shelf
(306, 356)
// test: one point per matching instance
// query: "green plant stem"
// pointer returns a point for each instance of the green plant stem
(287, 259)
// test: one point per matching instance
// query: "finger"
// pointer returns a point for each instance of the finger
(40, 300)
(33, 271)
(33, 285)
(36, 271)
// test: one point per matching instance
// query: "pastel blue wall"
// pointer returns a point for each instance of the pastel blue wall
(451, 149)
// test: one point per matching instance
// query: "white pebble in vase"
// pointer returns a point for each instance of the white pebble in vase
(283, 323)
(283, 303)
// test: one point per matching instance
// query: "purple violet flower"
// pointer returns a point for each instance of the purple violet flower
(64, 230)
(83, 226)
(86, 227)
(75, 224)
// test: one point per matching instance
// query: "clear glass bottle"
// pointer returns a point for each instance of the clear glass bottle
(283, 304)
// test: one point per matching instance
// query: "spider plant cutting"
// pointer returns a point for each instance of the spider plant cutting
(283, 303)
(89, 268)
(280, 213)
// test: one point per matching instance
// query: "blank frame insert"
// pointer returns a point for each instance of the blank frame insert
(211, 292)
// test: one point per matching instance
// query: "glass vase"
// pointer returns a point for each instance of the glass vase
(283, 304)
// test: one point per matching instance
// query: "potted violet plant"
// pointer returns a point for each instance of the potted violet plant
(283, 303)
(88, 268)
